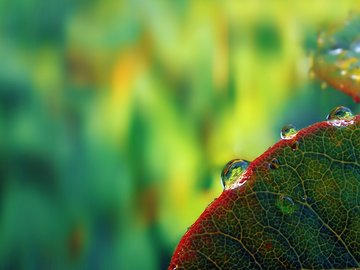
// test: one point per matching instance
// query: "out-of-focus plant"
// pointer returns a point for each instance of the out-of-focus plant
(116, 118)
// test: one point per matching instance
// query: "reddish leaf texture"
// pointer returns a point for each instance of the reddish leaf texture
(296, 206)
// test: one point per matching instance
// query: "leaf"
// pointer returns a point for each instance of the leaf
(296, 206)
(337, 57)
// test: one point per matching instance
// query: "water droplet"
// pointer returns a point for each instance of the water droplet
(340, 116)
(274, 164)
(295, 146)
(233, 171)
(286, 204)
(335, 51)
(288, 132)
(340, 113)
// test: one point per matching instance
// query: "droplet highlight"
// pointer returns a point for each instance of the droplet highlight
(232, 171)
(286, 204)
(288, 132)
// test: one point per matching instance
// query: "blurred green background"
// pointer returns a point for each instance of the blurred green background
(116, 117)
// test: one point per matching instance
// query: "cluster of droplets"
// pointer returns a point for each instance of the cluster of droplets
(232, 171)
(235, 169)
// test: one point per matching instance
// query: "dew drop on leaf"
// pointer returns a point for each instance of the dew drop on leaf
(286, 204)
(233, 171)
(295, 146)
(288, 132)
(274, 164)
(340, 113)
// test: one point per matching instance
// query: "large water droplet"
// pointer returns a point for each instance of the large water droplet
(340, 116)
(233, 171)
(274, 164)
(286, 204)
(288, 132)
(340, 113)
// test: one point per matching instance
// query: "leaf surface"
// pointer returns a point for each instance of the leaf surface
(337, 59)
(296, 206)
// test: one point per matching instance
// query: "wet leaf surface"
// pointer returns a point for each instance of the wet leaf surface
(302, 213)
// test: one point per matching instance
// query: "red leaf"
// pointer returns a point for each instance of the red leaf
(302, 213)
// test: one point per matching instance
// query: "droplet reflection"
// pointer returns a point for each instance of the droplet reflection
(288, 132)
(340, 116)
(340, 113)
(232, 171)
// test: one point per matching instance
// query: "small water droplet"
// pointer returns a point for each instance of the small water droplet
(286, 204)
(335, 51)
(340, 113)
(288, 132)
(295, 146)
(233, 171)
(274, 164)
